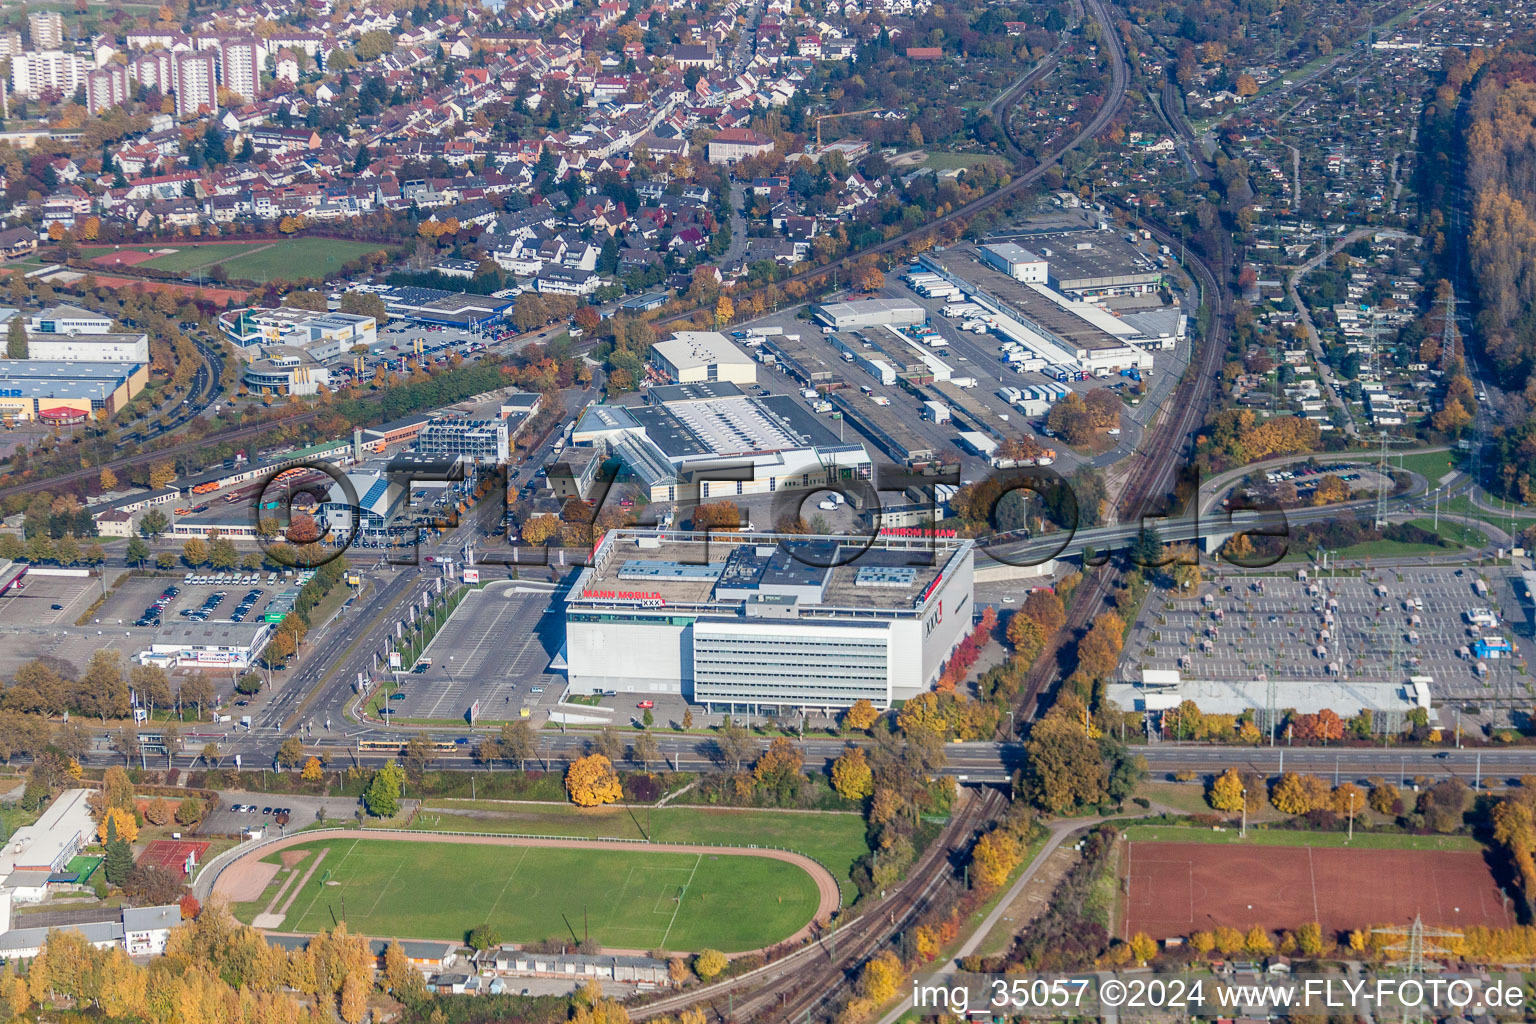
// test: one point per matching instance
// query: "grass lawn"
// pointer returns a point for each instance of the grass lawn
(835, 839)
(628, 899)
(1430, 465)
(1518, 515)
(1459, 534)
(1189, 798)
(1278, 837)
(249, 261)
(1456, 533)
(15, 817)
(1389, 549)
(297, 257)
(941, 161)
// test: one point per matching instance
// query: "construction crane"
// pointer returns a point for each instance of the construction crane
(830, 117)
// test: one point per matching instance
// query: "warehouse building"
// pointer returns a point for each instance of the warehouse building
(46, 846)
(1047, 323)
(692, 357)
(673, 448)
(386, 435)
(138, 931)
(379, 501)
(871, 313)
(72, 334)
(1083, 261)
(66, 319)
(775, 625)
(1015, 261)
(60, 392)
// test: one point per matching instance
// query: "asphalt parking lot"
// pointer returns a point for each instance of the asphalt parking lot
(302, 811)
(496, 648)
(129, 599)
(33, 604)
(1373, 635)
(72, 646)
(194, 595)
(402, 335)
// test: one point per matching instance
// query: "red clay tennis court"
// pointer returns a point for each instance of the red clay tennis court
(171, 854)
(1179, 888)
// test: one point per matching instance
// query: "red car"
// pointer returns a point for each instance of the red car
(646, 705)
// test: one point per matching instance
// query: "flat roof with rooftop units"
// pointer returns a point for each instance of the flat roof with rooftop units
(1085, 258)
(1047, 323)
(697, 356)
(871, 313)
(672, 445)
(767, 621)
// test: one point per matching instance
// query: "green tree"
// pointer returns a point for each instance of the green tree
(222, 553)
(16, 340)
(189, 811)
(194, 552)
(517, 742)
(483, 937)
(119, 859)
(153, 523)
(291, 754)
(137, 552)
(1064, 765)
(382, 797)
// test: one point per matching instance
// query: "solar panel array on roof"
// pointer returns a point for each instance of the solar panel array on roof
(650, 569)
(884, 576)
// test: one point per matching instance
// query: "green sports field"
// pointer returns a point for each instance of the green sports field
(290, 258)
(834, 839)
(629, 899)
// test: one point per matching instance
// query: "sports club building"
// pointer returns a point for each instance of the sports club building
(778, 623)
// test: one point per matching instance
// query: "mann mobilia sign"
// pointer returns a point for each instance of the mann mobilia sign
(644, 598)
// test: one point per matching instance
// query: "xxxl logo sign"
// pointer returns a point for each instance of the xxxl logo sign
(934, 620)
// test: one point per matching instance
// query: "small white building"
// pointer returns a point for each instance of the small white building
(693, 357)
(233, 645)
(146, 929)
(1015, 261)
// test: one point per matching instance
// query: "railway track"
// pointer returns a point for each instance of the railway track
(797, 986)
(1159, 457)
(1100, 121)
(61, 480)
(800, 985)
